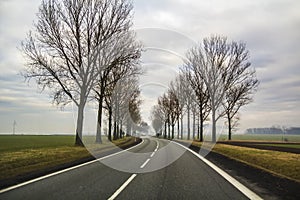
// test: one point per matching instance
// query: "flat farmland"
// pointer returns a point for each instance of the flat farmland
(22, 154)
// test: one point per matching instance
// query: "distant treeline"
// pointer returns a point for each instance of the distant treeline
(274, 130)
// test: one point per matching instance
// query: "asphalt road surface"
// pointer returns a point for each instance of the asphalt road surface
(153, 169)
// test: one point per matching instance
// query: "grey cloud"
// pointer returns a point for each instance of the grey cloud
(270, 29)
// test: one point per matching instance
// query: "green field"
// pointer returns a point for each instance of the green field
(21, 154)
(9, 143)
(295, 146)
(263, 137)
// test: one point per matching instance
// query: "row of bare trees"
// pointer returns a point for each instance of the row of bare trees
(123, 107)
(84, 50)
(215, 81)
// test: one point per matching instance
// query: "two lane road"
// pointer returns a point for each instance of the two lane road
(154, 169)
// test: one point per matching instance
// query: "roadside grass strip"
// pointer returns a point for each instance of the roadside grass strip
(24, 154)
(283, 164)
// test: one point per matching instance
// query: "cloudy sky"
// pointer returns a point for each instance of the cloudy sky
(271, 29)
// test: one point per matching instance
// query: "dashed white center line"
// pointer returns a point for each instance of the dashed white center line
(122, 187)
(145, 163)
(155, 150)
(133, 175)
(157, 145)
(152, 154)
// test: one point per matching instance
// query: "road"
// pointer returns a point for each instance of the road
(154, 169)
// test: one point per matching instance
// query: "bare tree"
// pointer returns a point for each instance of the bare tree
(62, 53)
(126, 94)
(202, 98)
(238, 96)
(177, 89)
(122, 60)
(220, 65)
(114, 90)
(134, 111)
(169, 106)
(187, 94)
(129, 103)
(157, 118)
(163, 106)
(194, 119)
(174, 109)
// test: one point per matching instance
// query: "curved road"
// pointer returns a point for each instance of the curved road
(131, 176)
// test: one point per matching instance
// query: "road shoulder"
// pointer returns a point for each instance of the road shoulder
(267, 185)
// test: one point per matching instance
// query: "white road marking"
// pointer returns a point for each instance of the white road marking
(145, 163)
(65, 170)
(133, 175)
(122, 187)
(153, 153)
(157, 145)
(246, 191)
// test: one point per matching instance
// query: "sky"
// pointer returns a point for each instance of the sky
(167, 28)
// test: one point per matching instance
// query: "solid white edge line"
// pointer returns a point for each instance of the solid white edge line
(246, 191)
(122, 187)
(65, 170)
(145, 163)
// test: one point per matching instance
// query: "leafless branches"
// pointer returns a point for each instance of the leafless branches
(222, 67)
(74, 43)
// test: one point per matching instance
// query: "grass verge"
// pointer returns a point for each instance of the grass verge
(24, 154)
(280, 163)
(295, 146)
(263, 137)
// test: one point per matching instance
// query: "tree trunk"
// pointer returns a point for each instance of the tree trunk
(229, 126)
(214, 135)
(99, 123)
(181, 123)
(109, 124)
(121, 131)
(118, 130)
(188, 122)
(194, 124)
(173, 127)
(128, 128)
(178, 128)
(118, 134)
(198, 128)
(115, 130)
(201, 127)
(79, 128)
(201, 132)
(169, 131)
(165, 131)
